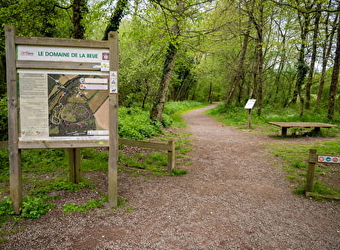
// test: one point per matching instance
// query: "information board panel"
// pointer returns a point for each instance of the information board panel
(62, 105)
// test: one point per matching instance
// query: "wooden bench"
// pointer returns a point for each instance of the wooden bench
(316, 125)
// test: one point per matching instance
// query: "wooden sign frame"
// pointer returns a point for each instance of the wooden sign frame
(15, 145)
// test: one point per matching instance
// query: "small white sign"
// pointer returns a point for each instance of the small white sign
(250, 104)
(104, 66)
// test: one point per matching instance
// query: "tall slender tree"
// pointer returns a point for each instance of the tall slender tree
(335, 74)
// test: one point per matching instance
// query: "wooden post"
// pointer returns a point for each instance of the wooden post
(311, 170)
(74, 160)
(13, 125)
(113, 121)
(249, 118)
(171, 156)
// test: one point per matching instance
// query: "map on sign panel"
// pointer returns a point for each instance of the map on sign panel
(78, 105)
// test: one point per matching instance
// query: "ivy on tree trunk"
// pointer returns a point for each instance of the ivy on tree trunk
(157, 109)
(116, 17)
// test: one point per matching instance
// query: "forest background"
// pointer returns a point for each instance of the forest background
(281, 53)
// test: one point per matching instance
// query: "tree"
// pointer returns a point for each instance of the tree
(116, 17)
(326, 45)
(79, 8)
(335, 75)
(313, 56)
(177, 15)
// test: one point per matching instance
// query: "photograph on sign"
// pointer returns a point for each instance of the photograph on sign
(63, 104)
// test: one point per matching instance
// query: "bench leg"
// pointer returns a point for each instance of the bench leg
(317, 131)
(284, 132)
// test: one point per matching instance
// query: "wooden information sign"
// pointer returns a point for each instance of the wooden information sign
(62, 93)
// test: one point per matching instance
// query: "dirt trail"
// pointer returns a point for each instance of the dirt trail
(233, 197)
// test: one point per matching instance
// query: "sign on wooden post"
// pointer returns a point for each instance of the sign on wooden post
(313, 160)
(67, 90)
(249, 105)
(13, 132)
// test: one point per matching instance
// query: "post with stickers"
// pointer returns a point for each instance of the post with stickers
(311, 170)
(314, 159)
(249, 105)
(113, 120)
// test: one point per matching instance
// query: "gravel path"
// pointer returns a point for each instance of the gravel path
(233, 197)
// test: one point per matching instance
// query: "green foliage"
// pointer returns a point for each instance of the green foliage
(34, 208)
(90, 205)
(176, 109)
(154, 163)
(43, 160)
(171, 108)
(73, 207)
(45, 187)
(177, 172)
(6, 207)
(234, 116)
(134, 123)
(4, 165)
(3, 118)
(64, 184)
(37, 18)
(94, 159)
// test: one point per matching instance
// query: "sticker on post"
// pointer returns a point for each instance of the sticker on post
(113, 82)
(104, 66)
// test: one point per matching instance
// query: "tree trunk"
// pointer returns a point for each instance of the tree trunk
(157, 109)
(240, 68)
(210, 97)
(258, 69)
(325, 56)
(313, 59)
(302, 68)
(335, 76)
(79, 9)
(116, 17)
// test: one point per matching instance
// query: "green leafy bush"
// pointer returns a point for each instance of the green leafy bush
(43, 160)
(34, 208)
(134, 123)
(6, 207)
(90, 204)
